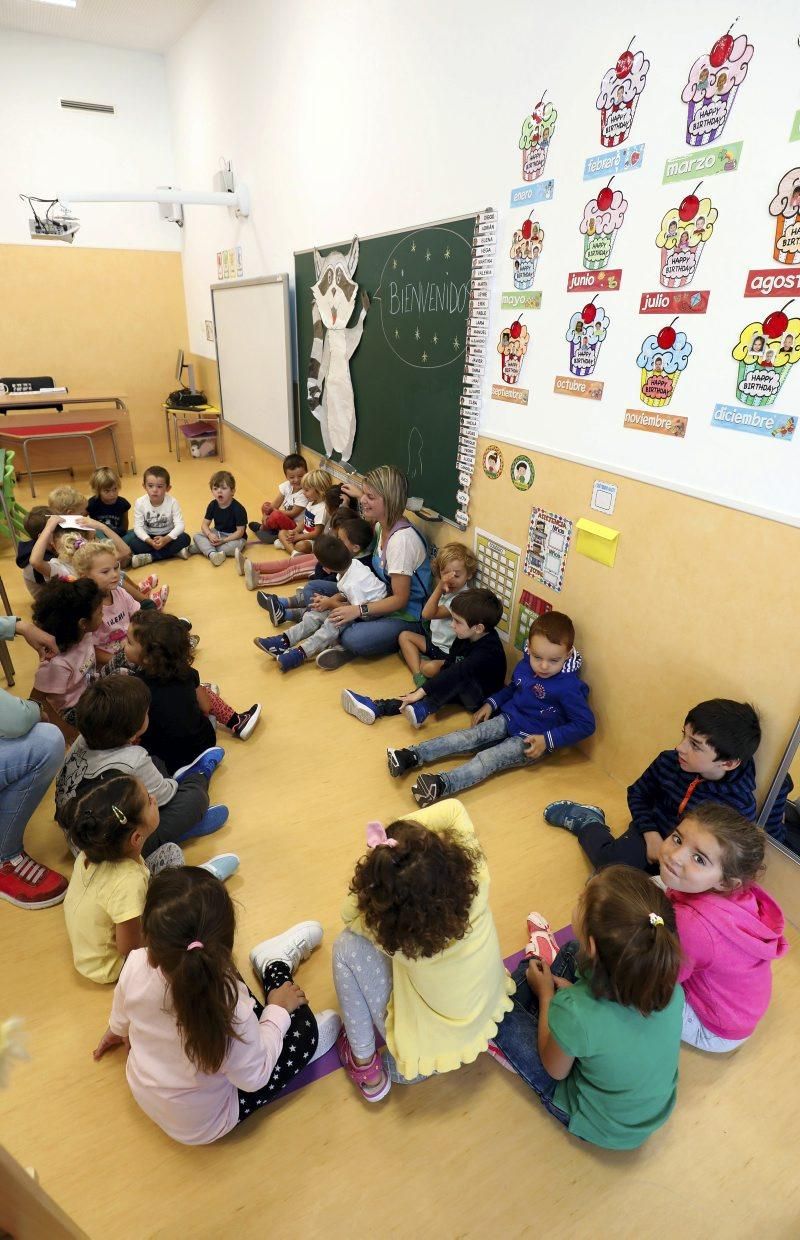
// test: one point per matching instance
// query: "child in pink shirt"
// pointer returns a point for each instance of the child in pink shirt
(71, 611)
(730, 928)
(203, 1053)
(98, 562)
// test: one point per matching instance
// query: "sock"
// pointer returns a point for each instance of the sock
(420, 680)
(221, 711)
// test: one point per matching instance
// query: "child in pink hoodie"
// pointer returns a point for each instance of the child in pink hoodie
(730, 928)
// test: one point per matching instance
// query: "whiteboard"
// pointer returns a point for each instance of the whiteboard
(251, 325)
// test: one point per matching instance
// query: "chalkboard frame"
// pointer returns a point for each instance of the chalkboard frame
(441, 495)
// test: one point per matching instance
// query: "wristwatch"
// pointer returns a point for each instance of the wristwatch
(364, 609)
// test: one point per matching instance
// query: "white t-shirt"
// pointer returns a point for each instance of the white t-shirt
(150, 522)
(442, 631)
(315, 514)
(404, 552)
(359, 584)
(292, 498)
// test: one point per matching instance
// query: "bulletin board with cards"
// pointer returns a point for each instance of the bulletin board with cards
(646, 302)
(498, 565)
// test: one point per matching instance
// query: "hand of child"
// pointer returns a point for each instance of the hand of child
(540, 979)
(158, 542)
(562, 983)
(482, 715)
(322, 602)
(266, 508)
(288, 996)
(653, 842)
(214, 537)
(416, 696)
(534, 747)
(109, 1042)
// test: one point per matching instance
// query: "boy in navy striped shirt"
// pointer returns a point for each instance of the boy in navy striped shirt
(713, 762)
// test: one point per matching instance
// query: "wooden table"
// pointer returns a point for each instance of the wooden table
(36, 409)
(56, 432)
(204, 413)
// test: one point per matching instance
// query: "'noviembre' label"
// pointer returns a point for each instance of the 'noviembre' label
(656, 423)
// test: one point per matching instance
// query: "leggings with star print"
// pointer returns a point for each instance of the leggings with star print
(299, 1045)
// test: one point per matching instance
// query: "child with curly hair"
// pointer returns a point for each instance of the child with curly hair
(71, 611)
(419, 958)
(180, 729)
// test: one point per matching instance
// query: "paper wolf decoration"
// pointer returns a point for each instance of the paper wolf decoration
(330, 388)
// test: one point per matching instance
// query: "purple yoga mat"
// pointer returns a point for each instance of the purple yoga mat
(330, 1062)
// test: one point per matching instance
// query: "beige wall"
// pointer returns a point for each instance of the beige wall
(100, 321)
(697, 605)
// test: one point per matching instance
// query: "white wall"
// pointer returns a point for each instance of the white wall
(46, 149)
(363, 117)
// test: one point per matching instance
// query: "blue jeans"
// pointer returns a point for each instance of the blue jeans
(138, 547)
(374, 637)
(497, 752)
(28, 764)
(518, 1033)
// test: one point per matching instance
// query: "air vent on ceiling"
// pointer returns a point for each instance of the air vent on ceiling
(80, 105)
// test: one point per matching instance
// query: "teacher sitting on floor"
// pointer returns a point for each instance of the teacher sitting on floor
(400, 560)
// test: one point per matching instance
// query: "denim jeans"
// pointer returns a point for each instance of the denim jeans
(205, 546)
(28, 765)
(518, 1034)
(315, 632)
(497, 752)
(375, 637)
(138, 547)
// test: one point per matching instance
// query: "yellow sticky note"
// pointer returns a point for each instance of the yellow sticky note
(598, 542)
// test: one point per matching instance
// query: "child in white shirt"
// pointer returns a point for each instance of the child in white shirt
(301, 539)
(358, 586)
(288, 505)
(159, 531)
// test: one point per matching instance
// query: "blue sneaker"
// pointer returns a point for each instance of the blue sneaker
(215, 817)
(221, 866)
(205, 764)
(571, 815)
(291, 659)
(274, 605)
(359, 706)
(416, 713)
(272, 645)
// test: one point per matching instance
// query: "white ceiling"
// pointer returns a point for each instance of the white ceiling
(146, 25)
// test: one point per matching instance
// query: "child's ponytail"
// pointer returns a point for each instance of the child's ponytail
(637, 952)
(100, 821)
(188, 925)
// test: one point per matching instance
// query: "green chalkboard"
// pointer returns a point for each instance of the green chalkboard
(408, 369)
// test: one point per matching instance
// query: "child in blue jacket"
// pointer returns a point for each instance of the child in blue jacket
(544, 708)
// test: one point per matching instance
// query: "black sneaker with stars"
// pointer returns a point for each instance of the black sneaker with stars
(428, 789)
(400, 761)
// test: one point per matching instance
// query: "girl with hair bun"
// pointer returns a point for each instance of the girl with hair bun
(204, 1054)
(110, 825)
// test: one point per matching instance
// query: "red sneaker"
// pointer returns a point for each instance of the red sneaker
(28, 884)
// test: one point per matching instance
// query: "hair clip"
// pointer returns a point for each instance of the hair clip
(79, 542)
(118, 814)
(195, 943)
(376, 836)
(656, 919)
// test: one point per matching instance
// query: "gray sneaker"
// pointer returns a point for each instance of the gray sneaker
(139, 561)
(333, 657)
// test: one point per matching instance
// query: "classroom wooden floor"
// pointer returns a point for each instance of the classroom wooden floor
(470, 1154)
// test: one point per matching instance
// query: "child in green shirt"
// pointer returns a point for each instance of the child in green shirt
(597, 1034)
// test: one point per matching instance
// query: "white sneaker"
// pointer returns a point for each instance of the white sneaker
(293, 946)
(250, 578)
(139, 561)
(184, 553)
(328, 1025)
(238, 556)
(217, 558)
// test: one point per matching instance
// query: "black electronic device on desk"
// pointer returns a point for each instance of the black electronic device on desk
(186, 397)
(36, 385)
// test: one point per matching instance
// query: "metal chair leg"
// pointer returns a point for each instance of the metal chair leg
(7, 665)
(25, 443)
(116, 451)
(4, 597)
